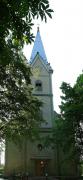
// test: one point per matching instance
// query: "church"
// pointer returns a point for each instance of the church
(36, 160)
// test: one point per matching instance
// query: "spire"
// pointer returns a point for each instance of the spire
(38, 48)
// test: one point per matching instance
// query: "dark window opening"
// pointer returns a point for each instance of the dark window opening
(40, 147)
(38, 85)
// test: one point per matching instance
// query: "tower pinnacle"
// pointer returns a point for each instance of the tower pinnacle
(38, 29)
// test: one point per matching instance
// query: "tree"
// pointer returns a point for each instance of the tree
(19, 110)
(72, 111)
(68, 130)
(16, 19)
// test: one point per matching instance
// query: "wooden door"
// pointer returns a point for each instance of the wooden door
(41, 167)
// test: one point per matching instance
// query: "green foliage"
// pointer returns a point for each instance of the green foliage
(16, 18)
(19, 110)
(68, 130)
(72, 111)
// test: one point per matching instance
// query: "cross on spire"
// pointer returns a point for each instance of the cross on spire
(38, 29)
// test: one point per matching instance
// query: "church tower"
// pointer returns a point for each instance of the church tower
(42, 157)
(42, 80)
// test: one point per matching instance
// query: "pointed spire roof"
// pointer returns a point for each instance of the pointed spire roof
(38, 48)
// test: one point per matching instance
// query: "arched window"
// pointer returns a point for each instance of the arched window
(40, 147)
(38, 85)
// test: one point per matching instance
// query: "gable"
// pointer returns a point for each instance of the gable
(38, 67)
(38, 48)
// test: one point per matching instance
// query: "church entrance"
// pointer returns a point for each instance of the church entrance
(41, 167)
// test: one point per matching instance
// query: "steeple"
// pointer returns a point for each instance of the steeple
(38, 48)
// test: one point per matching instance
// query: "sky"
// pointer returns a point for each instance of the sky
(62, 38)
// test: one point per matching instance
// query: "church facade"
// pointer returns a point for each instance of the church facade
(36, 159)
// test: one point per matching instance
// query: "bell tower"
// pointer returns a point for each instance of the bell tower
(42, 80)
(43, 158)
